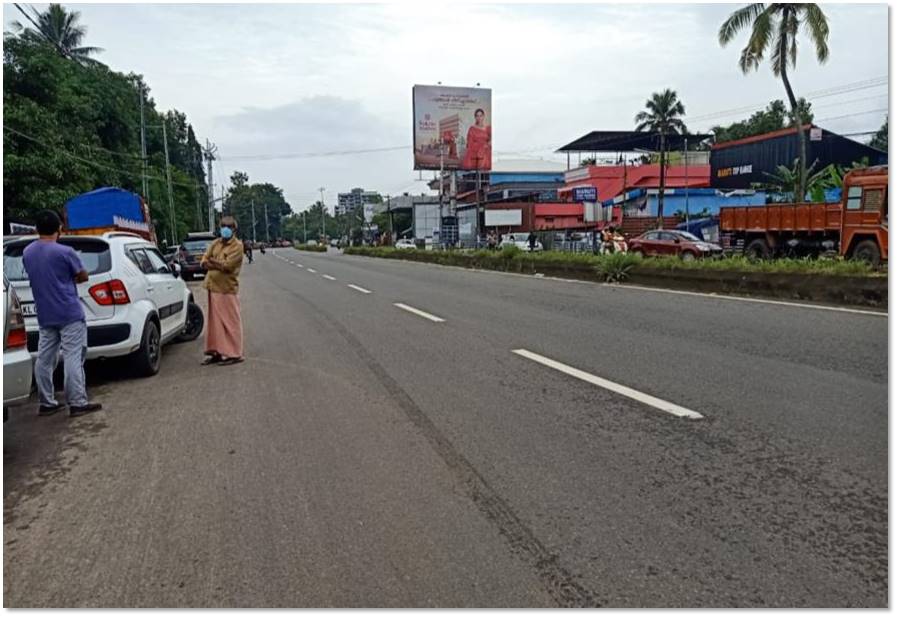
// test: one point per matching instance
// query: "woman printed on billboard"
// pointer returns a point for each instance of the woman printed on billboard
(479, 143)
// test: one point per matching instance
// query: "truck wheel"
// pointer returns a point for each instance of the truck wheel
(146, 360)
(193, 327)
(757, 249)
(867, 251)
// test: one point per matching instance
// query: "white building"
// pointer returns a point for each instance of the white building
(356, 198)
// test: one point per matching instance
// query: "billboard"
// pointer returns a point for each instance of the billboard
(510, 218)
(452, 126)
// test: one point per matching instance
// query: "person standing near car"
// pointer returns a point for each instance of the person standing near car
(531, 240)
(54, 271)
(222, 261)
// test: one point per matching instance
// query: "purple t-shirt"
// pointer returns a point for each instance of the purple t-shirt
(51, 269)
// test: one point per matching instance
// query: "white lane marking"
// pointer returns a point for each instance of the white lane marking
(641, 397)
(361, 289)
(328, 277)
(299, 266)
(312, 271)
(418, 312)
(821, 307)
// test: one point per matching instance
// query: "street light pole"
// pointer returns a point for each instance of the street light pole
(323, 214)
(304, 229)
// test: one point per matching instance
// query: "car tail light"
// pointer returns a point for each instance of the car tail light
(16, 336)
(109, 293)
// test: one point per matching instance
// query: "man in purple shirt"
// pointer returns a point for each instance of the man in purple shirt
(54, 271)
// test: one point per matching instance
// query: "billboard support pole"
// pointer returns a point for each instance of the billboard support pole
(441, 184)
(686, 183)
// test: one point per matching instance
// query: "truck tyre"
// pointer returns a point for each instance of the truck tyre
(146, 361)
(867, 251)
(194, 325)
(757, 249)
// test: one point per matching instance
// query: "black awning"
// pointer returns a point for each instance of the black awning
(628, 141)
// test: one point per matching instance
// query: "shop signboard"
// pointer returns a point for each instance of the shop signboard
(452, 127)
(585, 193)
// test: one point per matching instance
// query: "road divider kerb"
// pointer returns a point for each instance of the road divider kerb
(419, 312)
(357, 288)
(641, 397)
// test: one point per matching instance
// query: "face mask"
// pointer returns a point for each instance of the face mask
(227, 233)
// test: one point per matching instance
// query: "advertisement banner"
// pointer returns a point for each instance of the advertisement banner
(504, 218)
(452, 126)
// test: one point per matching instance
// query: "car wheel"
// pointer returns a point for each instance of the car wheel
(638, 252)
(688, 256)
(146, 360)
(194, 325)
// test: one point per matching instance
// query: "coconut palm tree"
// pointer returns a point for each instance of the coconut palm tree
(61, 29)
(662, 115)
(774, 29)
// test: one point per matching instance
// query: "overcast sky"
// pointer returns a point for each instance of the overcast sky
(286, 79)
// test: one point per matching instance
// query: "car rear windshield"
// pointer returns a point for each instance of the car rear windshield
(94, 254)
(196, 245)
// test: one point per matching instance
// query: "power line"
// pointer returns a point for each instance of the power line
(300, 155)
(859, 113)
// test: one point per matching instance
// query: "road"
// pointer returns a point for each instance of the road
(368, 454)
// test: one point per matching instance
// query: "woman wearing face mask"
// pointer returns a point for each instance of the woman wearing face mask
(224, 329)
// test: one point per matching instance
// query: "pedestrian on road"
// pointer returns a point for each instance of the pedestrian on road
(247, 249)
(222, 261)
(54, 271)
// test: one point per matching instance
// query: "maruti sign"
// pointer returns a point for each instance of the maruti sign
(585, 193)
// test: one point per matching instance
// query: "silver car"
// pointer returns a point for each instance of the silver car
(16, 359)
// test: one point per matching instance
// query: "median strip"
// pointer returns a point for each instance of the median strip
(626, 391)
(357, 288)
(419, 312)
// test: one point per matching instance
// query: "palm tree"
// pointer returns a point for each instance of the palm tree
(61, 29)
(662, 116)
(774, 29)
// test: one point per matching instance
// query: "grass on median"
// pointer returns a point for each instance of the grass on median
(317, 248)
(616, 267)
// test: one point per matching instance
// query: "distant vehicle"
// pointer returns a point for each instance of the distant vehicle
(406, 243)
(520, 240)
(673, 242)
(311, 243)
(134, 302)
(191, 251)
(334, 242)
(857, 228)
(17, 364)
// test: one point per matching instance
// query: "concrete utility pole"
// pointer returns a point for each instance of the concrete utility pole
(252, 202)
(143, 141)
(304, 228)
(173, 233)
(323, 214)
(209, 154)
(197, 222)
(267, 228)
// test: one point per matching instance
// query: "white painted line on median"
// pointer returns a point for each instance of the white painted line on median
(418, 312)
(635, 395)
(312, 271)
(328, 277)
(361, 289)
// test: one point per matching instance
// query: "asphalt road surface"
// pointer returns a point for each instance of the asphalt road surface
(411, 435)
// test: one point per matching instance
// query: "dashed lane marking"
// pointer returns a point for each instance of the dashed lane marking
(357, 288)
(418, 312)
(626, 391)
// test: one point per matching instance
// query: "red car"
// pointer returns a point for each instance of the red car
(672, 242)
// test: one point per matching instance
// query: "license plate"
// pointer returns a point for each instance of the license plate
(28, 309)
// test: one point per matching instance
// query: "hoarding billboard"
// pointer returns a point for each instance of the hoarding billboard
(502, 218)
(460, 119)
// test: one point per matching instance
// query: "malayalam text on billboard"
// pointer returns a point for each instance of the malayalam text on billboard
(455, 121)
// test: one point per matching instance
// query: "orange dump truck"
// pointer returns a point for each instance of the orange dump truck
(857, 227)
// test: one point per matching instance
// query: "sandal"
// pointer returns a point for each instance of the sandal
(230, 361)
(212, 359)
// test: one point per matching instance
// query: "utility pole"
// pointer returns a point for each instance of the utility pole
(267, 228)
(197, 222)
(392, 237)
(209, 154)
(686, 184)
(168, 180)
(252, 202)
(323, 215)
(143, 140)
(441, 182)
(304, 229)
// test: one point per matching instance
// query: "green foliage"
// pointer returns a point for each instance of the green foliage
(880, 140)
(663, 114)
(60, 29)
(317, 248)
(774, 118)
(615, 268)
(242, 197)
(70, 128)
(510, 251)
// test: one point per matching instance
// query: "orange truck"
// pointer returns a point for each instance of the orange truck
(855, 228)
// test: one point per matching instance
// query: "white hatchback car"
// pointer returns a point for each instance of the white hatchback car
(406, 243)
(134, 302)
(520, 240)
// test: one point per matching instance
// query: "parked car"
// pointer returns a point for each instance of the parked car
(520, 240)
(405, 243)
(134, 302)
(190, 253)
(17, 365)
(672, 242)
